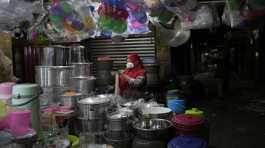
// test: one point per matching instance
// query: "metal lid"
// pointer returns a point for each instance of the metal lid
(94, 100)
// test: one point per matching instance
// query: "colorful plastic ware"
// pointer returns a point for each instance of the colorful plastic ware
(19, 122)
(195, 112)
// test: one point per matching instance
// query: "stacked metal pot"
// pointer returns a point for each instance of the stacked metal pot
(53, 73)
(118, 129)
(83, 81)
(92, 114)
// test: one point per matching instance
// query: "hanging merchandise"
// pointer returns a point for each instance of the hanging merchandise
(200, 18)
(13, 12)
(138, 21)
(70, 19)
(180, 6)
(158, 13)
(174, 35)
(244, 13)
(113, 16)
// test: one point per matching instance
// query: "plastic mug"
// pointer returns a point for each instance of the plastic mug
(19, 122)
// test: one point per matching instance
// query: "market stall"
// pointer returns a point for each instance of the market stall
(87, 71)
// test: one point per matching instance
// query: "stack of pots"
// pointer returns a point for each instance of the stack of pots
(92, 114)
(53, 73)
(118, 131)
(103, 73)
(83, 82)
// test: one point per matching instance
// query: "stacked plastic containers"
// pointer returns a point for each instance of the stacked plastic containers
(191, 126)
(5, 95)
(175, 103)
(25, 97)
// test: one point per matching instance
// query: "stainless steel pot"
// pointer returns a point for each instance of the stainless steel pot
(84, 85)
(117, 122)
(81, 69)
(152, 129)
(53, 76)
(78, 54)
(93, 107)
(55, 56)
(91, 126)
(70, 101)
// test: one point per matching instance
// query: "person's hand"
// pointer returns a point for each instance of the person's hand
(113, 73)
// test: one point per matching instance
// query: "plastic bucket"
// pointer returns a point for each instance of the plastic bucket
(176, 105)
(19, 122)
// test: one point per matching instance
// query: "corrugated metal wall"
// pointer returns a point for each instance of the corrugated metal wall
(144, 45)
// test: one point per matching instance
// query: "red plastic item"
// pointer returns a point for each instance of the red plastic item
(187, 124)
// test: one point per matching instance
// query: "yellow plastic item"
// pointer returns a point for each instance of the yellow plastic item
(194, 111)
(73, 140)
(2, 109)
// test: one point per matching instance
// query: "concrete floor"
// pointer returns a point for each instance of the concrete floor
(237, 120)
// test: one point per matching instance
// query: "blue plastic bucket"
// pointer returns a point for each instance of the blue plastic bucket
(176, 105)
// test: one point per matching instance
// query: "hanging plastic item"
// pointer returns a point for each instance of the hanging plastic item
(13, 12)
(244, 14)
(198, 19)
(158, 13)
(180, 6)
(71, 19)
(113, 16)
(138, 20)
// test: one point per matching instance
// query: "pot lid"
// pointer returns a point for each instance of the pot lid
(187, 120)
(94, 100)
(118, 115)
(194, 111)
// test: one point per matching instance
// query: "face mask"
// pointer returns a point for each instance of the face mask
(129, 65)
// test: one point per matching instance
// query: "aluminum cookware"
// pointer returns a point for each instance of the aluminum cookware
(78, 54)
(81, 69)
(91, 126)
(84, 85)
(117, 122)
(94, 107)
(70, 100)
(55, 56)
(157, 112)
(53, 76)
(152, 129)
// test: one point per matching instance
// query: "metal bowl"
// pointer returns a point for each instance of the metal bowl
(152, 129)
(157, 112)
